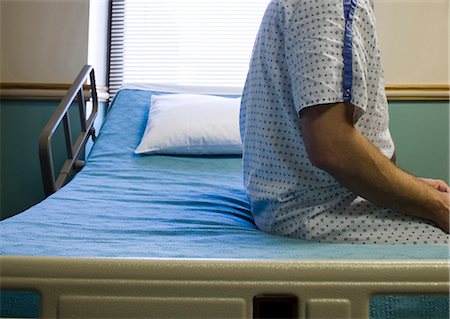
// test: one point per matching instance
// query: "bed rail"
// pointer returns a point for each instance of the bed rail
(184, 288)
(77, 92)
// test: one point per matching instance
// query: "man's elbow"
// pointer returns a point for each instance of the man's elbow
(327, 132)
(327, 158)
(323, 159)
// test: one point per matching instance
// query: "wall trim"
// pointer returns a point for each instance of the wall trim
(55, 91)
(43, 91)
(413, 92)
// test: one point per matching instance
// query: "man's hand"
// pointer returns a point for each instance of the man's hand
(442, 220)
(437, 184)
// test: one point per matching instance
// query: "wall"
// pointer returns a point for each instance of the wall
(98, 39)
(21, 125)
(421, 134)
(414, 39)
(43, 42)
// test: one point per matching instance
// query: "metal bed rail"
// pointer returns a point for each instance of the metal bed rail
(75, 149)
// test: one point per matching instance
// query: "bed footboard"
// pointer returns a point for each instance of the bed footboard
(127, 288)
(80, 93)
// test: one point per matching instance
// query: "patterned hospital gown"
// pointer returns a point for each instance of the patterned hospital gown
(298, 62)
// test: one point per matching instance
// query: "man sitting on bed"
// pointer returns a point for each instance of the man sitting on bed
(316, 166)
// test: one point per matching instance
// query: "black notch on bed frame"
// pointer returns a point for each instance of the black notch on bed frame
(275, 306)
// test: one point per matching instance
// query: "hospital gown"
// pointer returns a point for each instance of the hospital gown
(298, 62)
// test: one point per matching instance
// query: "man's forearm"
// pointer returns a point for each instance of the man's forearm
(338, 148)
(394, 157)
(365, 171)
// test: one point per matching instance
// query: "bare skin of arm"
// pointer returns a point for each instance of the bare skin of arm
(334, 145)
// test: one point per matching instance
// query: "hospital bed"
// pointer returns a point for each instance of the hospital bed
(158, 236)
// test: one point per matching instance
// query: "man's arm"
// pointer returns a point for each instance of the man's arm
(334, 145)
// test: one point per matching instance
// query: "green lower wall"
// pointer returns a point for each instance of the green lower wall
(21, 124)
(420, 131)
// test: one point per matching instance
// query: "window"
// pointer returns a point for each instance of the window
(197, 42)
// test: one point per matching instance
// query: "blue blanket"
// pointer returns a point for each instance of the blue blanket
(126, 205)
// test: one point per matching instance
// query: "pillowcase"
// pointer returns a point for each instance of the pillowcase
(192, 124)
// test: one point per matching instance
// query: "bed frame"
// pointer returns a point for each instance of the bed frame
(78, 93)
(183, 288)
(133, 288)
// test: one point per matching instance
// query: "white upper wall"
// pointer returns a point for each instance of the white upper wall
(98, 39)
(414, 39)
(43, 41)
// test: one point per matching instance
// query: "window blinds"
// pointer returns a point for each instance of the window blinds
(196, 42)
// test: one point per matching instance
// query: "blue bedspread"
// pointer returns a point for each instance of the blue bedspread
(125, 205)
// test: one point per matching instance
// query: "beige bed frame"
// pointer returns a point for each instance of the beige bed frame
(149, 288)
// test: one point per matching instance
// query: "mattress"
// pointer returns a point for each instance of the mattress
(132, 206)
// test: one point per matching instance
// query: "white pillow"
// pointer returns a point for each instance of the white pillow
(192, 124)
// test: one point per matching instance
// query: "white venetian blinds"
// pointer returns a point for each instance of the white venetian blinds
(196, 42)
